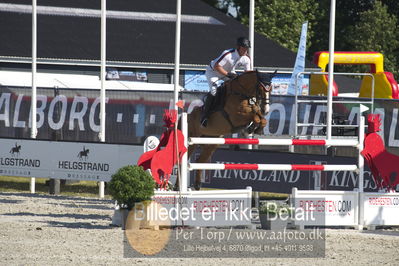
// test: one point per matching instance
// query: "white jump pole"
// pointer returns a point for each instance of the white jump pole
(177, 53)
(184, 161)
(362, 125)
(33, 131)
(251, 30)
(360, 149)
(183, 166)
(102, 93)
(251, 34)
(330, 68)
(361, 170)
(251, 56)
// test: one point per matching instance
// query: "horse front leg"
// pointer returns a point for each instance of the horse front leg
(261, 125)
(206, 153)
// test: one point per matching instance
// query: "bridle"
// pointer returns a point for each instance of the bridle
(257, 98)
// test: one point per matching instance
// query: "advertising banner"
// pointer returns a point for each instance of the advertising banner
(379, 208)
(131, 116)
(127, 75)
(195, 81)
(199, 208)
(281, 83)
(64, 160)
(336, 208)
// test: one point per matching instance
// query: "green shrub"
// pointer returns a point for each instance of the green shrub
(131, 184)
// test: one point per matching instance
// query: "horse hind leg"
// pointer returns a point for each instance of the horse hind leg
(206, 153)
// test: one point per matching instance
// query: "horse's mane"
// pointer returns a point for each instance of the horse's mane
(246, 73)
(265, 78)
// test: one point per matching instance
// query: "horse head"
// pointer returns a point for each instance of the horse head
(256, 86)
(265, 81)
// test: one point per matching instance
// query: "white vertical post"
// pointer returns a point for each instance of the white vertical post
(102, 73)
(360, 149)
(251, 39)
(184, 161)
(252, 30)
(251, 56)
(360, 209)
(330, 68)
(33, 131)
(177, 53)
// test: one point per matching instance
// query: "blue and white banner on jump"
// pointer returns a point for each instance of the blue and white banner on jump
(295, 86)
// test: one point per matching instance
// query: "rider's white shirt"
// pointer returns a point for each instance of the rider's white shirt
(230, 60)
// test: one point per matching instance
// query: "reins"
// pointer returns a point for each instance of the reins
(249, 97)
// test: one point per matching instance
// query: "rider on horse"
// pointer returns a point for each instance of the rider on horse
(223, 68)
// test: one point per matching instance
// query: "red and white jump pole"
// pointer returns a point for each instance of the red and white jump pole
(272, 167)
(274, 142)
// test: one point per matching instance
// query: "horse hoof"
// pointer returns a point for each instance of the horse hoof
(197, 186)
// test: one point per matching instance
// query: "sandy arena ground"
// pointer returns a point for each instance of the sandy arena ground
(58, 230)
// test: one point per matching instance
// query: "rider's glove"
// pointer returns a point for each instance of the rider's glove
(231, 75)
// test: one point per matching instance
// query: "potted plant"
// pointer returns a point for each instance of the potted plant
(129, 186)
(274, 216)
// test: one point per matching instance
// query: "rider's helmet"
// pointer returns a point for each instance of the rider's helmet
(243, 42)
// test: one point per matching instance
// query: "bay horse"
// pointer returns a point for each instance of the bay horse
(243, 103)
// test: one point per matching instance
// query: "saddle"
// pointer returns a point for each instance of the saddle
(218, 100)
(217, 104)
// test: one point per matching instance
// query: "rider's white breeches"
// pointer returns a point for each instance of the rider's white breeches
(214, 80)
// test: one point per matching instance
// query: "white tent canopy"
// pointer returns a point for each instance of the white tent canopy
(75, 81)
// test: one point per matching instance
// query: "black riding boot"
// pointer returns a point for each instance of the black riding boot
(206, 110)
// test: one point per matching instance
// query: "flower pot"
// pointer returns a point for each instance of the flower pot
(124, 213)
(272, 223)
(265, 221)
(129, 185)
(135, 218)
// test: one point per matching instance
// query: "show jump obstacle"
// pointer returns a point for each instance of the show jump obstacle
(358, 143)
(279, 167)
(330, 208)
